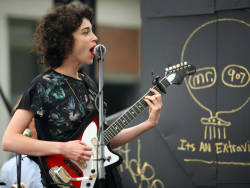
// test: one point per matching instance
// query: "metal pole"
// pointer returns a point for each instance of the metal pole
(101, 169)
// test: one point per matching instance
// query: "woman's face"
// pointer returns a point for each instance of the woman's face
(84, 43)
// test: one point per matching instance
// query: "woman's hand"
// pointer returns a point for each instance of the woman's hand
(77, 150)
(155, 104)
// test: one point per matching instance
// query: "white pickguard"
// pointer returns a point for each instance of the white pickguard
(90, 169)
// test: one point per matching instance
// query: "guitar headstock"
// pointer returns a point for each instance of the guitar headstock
(176, 74)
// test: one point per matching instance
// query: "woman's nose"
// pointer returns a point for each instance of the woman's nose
(95, 38)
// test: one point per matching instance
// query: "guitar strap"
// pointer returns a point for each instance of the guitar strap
(92, 89)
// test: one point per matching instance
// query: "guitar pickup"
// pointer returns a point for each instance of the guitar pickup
(59, 173)
(73, 167)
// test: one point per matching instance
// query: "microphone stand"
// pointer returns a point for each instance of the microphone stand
(101, 158)
(19, 166)
(27, 132)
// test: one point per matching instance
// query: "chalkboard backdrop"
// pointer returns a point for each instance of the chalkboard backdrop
(203, 135)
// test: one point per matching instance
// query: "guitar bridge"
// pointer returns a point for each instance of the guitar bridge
(60, 175)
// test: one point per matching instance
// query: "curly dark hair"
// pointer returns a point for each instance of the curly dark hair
(53, 39)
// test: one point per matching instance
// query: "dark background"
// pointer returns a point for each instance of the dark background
(166, 25)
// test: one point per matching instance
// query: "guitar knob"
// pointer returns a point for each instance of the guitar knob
(84, 165)
(94, 141)
(109, 158)
(88, 184)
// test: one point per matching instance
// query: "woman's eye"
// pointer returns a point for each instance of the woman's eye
(85, 32)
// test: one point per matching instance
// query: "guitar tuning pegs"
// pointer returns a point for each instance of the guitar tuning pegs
(177, 66)
(168, 68)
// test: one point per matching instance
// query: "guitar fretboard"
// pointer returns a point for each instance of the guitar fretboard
(130, 114)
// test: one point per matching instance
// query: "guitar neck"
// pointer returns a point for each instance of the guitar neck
(130, 114)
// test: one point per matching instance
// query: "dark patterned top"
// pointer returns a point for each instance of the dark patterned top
(58, 113)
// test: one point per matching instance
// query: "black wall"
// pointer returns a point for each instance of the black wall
(202, 139)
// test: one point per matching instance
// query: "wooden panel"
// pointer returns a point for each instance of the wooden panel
(122, 46)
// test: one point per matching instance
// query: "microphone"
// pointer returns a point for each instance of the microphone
(27, 132)
(99, 50)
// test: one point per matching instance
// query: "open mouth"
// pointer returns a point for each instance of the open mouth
(92, 50)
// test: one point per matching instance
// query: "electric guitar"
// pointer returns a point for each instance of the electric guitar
(65, 172)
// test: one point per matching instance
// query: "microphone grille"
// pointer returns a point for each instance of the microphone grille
(99, 49)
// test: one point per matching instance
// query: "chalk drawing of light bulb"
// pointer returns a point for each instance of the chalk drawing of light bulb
(230, 82)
